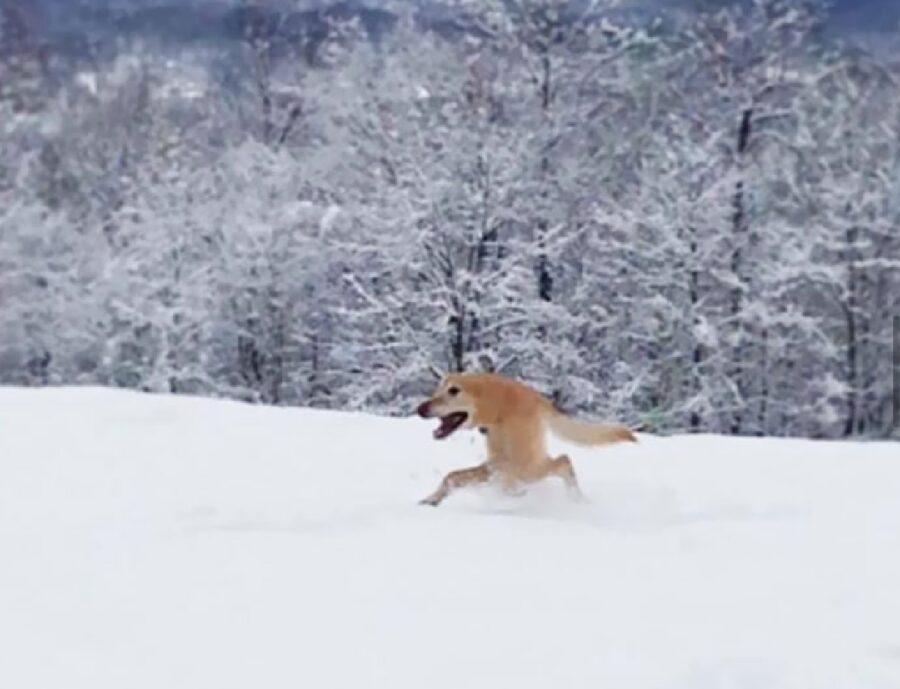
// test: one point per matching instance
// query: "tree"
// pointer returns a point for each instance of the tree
(751, 58)
(852, 158)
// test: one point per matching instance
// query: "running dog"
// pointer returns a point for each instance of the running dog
(514, 418)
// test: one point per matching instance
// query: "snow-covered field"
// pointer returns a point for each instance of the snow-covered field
(176, 543)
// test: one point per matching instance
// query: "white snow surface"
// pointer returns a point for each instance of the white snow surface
(166, 543)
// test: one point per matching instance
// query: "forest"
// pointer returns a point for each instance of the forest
(688, 222)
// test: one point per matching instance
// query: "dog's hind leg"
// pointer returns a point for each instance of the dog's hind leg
(457, 479)
(562, 467)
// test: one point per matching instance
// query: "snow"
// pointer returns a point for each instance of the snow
(153, 541)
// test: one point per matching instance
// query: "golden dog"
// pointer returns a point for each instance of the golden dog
(515, 419)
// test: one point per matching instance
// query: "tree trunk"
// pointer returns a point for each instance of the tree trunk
(545, 279)
(696, 421)
(895, 416)
(764, 389)
(852, 350)
(739, 235)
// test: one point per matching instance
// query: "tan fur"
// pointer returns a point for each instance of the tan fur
(586, 433)
(515, 418)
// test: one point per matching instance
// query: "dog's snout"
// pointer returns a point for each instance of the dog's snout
(424, 409)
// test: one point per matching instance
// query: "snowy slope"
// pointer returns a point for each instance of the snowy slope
(169, 543)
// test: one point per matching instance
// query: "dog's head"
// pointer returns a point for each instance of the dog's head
(452, 404)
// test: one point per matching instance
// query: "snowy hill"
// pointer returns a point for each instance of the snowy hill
(154, 542)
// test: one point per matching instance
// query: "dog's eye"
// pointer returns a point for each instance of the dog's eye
(453, 392)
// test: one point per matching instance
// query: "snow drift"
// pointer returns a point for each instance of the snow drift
(184, 543)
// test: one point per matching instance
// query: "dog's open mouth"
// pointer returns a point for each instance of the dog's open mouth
(449, 424)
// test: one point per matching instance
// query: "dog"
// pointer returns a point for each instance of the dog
(514, 419)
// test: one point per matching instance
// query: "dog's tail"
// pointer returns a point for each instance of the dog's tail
(587, 432)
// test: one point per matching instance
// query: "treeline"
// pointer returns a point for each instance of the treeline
(692, 225)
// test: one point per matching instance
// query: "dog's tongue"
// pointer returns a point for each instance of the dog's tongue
(444, 429)
(449, 424)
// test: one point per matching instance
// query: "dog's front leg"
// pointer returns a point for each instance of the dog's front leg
(457, 479)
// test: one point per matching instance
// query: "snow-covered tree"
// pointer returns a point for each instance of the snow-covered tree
(689, 223)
